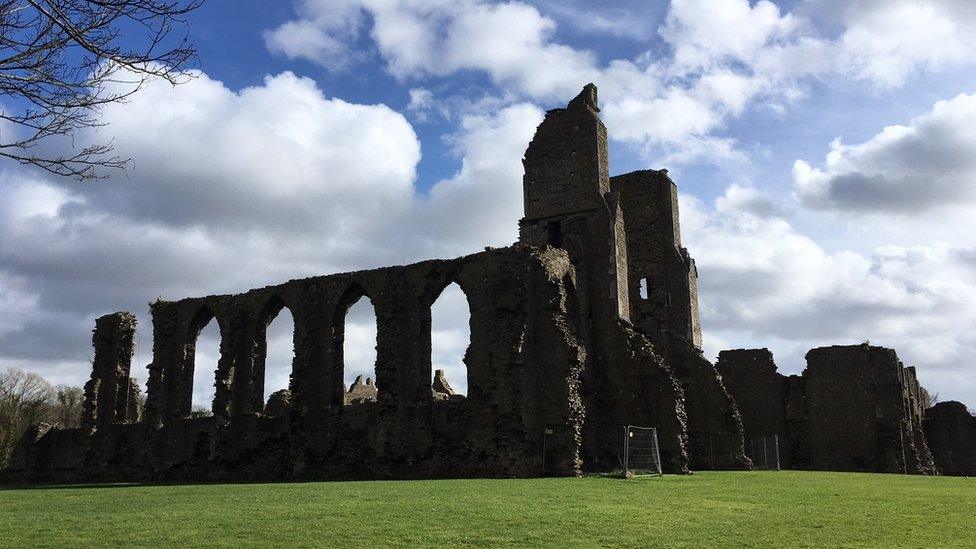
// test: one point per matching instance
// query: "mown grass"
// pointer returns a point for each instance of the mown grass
(765, 509)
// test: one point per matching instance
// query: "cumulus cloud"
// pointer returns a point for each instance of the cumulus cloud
(449, 337)
(514, 43)
(886, 41)
(487, 187)
(323, 34)
(704, 32)
(631, 19)
(925, 165)
(421, 103)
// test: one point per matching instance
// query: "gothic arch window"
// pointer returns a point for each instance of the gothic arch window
(450, 337)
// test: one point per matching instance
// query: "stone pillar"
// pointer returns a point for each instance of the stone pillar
(107, 392)
(164, 368)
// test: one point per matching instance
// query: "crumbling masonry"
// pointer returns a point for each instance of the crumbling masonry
(951, 433)
(587, 324)
(855, 408)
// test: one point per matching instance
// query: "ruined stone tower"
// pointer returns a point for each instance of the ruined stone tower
(663, 280)
(624, 240)
(623, 232)
(569, 205)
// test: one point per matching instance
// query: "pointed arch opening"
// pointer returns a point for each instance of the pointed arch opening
(354, 347)
(450, 337)
(274, 357)
(200, 372)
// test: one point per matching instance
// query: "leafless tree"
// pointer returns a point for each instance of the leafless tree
(62, 60)
(25, 399)
(200, 411)
(68, 406)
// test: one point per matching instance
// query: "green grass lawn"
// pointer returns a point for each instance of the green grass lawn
(767, 509)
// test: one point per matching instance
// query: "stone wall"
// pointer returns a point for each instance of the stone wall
(769, 402)
(860, 409)
(856, 408)
(715, 432)
(951, 434)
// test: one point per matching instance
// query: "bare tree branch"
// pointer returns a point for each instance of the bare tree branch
(62, 60)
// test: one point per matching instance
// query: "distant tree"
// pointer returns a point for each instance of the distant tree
(66, 411)
(62, 60)
(140, 405)
(200, 411)
(25, 399)
(929, 399)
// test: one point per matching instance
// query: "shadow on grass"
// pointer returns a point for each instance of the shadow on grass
(162, 483)
(17, 487)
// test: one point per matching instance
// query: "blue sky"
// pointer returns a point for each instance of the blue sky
(822, 150)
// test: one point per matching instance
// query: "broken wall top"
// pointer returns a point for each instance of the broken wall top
(566, 164)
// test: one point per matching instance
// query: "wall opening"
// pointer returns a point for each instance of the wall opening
(279, 355)
(450, 336)
(645, 292)
(355, 339)
(554, 234)
(206, 355)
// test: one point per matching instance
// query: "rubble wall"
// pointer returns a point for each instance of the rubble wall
(951, 434)
(769, 403)
(856, 408)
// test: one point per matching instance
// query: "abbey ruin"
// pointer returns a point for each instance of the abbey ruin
(586, 324)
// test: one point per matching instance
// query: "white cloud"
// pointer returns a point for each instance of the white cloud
(304, 39)
(631, 19)
(886, 41)
(323, 33)
(513, 43)
(421, 102)
(359, 343)
(748, 200)
(482, 202)
(926, 165)
(206, 356)
(706, 32)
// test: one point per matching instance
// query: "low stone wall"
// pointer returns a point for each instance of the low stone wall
(855, 408)
(951, 433)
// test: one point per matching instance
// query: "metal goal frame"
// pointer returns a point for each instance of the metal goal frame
(643, 451)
